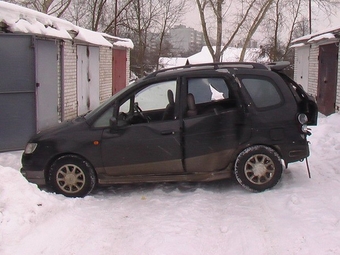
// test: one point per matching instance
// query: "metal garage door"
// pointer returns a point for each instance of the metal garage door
(87, 78)
(46, 83)
(327, 82)
(17, 91)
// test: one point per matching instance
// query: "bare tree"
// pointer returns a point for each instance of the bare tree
(147, 22)
(53, 7)
(204, 6)
(170, 13)
(262, 11)
(326, 6)
(282, 24)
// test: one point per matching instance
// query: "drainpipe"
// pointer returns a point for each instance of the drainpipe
(62, 93)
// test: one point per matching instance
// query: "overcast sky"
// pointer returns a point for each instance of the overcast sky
(320, 21)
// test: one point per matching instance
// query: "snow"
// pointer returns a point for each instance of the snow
(325, 34)
(321, 37)
(166, 62)
(298, 216)
(21, 19)
(231, 54)
(92, 37)
(120, 42)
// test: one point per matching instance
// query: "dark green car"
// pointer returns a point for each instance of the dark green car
(186, 124)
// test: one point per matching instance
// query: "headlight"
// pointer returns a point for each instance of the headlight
(30, 148)
(302, 118)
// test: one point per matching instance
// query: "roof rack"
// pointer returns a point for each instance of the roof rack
(278, 66)
(218, 65)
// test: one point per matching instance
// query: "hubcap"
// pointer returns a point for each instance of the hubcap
(70, 178)
(259, 169)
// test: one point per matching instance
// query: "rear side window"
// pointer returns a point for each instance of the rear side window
(208, 89)
(263, 92)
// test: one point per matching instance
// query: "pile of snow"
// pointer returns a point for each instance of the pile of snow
(299, 216)
(231, 54)
(165, 62)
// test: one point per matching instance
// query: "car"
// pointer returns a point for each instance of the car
(185, 124)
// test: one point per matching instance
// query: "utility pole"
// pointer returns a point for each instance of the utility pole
(310, 15)
(116, 13)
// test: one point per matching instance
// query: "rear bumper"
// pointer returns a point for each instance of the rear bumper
(36, 177)
(293, 153)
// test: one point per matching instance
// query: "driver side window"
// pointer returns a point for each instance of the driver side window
(156, 102)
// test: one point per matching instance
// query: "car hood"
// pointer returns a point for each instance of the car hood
(65, 127)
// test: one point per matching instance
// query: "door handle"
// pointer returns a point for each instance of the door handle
(167, 132)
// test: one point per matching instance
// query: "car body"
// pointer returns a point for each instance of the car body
(186, 124)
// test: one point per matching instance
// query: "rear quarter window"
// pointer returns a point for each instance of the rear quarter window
(263, 92)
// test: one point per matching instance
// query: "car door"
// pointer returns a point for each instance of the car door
(143, 142)
(212, 124)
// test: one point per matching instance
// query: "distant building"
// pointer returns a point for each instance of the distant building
(185, 39)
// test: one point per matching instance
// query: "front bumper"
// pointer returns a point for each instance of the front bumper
(36, 177)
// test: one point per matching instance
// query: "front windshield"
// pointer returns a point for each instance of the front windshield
(92, 113)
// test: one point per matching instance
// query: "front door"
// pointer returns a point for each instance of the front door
(210, 125)
(143, 141)
(327, 84)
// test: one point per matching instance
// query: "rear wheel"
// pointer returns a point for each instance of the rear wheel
(258, 168)
(72, 176)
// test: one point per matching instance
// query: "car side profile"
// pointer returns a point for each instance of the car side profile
(185, 124)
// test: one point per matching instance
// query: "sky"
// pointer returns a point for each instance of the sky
(320, 20)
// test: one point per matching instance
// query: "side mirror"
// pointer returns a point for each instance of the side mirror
(117, 124)
(113, 123)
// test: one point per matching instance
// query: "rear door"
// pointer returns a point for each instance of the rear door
(212, 130)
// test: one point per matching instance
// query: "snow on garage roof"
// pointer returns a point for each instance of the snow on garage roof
(21, 19)
(328, 33)
(120, 42)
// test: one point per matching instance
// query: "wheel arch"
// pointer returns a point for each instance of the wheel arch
(57, 156)
(276, 148)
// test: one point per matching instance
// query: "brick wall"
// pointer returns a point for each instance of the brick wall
(295, 64)
(313, 70)
(70, 80)
(105, 73)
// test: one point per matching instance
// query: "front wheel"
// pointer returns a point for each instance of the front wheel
(72, 176)
(258, 168)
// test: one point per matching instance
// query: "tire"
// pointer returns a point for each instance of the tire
(72, 176)
(258, 168)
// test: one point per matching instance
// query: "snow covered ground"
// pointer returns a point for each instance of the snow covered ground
(299, 216)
